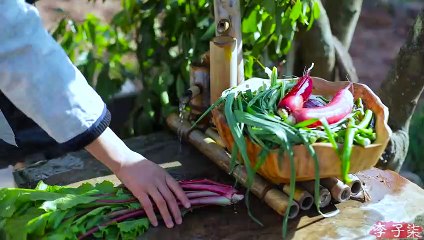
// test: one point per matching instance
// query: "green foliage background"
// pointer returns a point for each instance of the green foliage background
(155, 42)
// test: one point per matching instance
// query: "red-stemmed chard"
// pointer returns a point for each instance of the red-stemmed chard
(200, 193)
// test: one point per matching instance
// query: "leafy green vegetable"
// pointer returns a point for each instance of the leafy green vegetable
(101, 211)
(55, 212)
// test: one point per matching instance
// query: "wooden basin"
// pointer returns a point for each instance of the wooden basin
(329, 163)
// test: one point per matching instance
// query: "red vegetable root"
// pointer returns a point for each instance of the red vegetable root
(337, 109)
(295, 98)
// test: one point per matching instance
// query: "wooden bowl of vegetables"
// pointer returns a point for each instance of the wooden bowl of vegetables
(287, 133)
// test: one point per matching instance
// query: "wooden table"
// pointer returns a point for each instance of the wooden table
(393, 198)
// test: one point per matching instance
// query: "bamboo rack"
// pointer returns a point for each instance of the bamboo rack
(324, 193)
(340, 192)
(301, 196)
(355, 185)
(265, 191)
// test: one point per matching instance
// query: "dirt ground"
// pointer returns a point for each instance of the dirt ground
(381, 30)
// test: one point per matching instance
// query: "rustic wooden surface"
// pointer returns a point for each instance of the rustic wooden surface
(393, 198)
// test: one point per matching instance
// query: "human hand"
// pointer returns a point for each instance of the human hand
(142, 177)
(146, 179)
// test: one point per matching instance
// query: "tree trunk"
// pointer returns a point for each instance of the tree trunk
(316, 46)
(343, 17)
(400, 93)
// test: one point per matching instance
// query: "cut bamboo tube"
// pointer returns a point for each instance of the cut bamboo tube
(324, 193)
(228, 23)
(302, 197)
(274, 198)
(339, 191)
(355, 185)
(199, 77)
(215, 136)
(223, 65)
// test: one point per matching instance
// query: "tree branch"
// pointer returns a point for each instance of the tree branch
(345, 68)
(343, 17)
(400, 93)
(317, 47)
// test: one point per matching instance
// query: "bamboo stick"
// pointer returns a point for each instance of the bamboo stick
(339, 191)
(324, 193)
(199, 77)
(302, 197)
(274, 198)
(355, 185)
(228, 23)
(223, 65)
(215, 136)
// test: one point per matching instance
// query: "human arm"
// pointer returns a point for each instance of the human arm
(144, 177)
(40, 80)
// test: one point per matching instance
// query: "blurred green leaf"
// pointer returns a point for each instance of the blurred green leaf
(180, 87)
(296, 10)
(155, 42)
(248, 67)
(250, 24)
(269, 6)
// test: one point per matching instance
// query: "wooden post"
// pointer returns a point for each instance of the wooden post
(223, 65)
(228, 23)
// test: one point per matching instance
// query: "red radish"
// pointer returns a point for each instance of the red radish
(338, 108)
(298, 94)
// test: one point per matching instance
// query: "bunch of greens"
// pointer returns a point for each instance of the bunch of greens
(255, 114)
(102, 211)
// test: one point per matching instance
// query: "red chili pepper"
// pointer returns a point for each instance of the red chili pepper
(338, 108)
(298, 94)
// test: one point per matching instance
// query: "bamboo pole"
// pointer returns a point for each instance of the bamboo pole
(339, 191)
(302, 197)
(355, 185)
(324, 193)
(215, 136)
(223, 65)
(274, 198)
(200, 78)
(228, 23)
